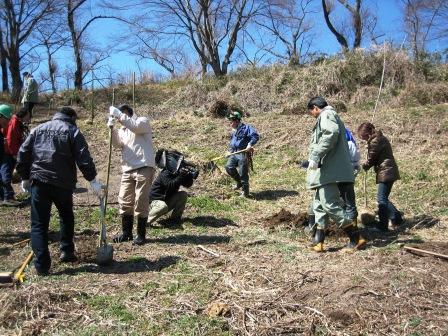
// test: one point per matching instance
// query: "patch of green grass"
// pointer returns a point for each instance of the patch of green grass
(208, 204)
(422, 175)
(415, 321)
(111, 307)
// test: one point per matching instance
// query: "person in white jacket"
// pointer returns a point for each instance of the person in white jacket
(138, 166)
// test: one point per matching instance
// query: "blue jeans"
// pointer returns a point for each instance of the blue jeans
(386, 209)
(6, 168)
(238, 169)
(42, 197)
(347, 192)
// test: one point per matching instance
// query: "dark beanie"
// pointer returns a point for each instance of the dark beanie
(68, 111)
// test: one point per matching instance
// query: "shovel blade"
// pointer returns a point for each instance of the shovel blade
(104, 255)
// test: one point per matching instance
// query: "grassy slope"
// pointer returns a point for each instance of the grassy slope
(267, 278)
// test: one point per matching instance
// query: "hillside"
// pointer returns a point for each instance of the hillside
(263, 279)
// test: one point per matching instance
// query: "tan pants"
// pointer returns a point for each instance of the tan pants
(176, 203)
(134, 192)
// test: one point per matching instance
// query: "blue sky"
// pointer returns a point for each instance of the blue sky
(104, 32)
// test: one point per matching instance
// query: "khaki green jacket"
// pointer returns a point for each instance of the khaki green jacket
(329, 149)
(31, 91)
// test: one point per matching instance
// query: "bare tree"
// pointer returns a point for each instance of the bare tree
(359, 19)
(52, 37)
(425, 21)
(78, 25)
(3, 63)
(287, 22)
(20, 18)
(211, 27)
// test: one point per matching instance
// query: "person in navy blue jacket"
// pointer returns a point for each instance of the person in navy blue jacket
(243, 137)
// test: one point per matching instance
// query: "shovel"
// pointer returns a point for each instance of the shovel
(105, 252)
(211, 165)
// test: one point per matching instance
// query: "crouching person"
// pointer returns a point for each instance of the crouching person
(165, 195)
(134, 139)
(47, 163)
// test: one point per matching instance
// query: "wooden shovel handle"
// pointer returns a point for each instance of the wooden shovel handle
(227, 155)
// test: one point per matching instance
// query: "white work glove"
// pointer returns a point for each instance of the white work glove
(114, 112)
(110, 122)
(312, 165)
(25, 186)
(97, 188)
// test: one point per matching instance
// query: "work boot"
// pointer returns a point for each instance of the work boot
(318, 241)
(67, 257)
(126, 227)
(356, 241)
(310, 229)
(141, 231)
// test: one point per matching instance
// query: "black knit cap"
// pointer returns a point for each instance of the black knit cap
(68, 111)
(126, 107)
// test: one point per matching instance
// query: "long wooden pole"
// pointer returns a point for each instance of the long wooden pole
(133, 90)
(438, 255)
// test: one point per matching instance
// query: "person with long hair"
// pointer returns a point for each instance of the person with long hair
(381, 158)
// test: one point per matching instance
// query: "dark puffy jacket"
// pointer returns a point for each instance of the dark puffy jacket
(167, 184)
(52, 151)
(380, 156)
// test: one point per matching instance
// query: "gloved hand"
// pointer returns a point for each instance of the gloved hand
(356, 170)
(114, 112)
(25, 186)
(312, 165)
(110, 122)
(249, 148)
(97, 188)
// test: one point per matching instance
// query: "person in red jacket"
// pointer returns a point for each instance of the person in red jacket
(14, 133)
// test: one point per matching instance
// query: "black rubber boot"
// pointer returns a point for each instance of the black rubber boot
(126, 227)
(318, 240)
(141, 231)
(67, 257)
(310, 229)
(356, 241)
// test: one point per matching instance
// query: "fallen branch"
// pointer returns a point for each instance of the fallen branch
(434, 254)
(208, 251)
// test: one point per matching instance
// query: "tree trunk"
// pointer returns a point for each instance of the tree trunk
(4, 65)
(76, 47)
(14, 68)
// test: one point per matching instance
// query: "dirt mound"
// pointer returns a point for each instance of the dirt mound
(286, 219)
(219, 109)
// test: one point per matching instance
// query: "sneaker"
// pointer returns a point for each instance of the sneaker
(11, 202)
(68, 257)
(237, 186)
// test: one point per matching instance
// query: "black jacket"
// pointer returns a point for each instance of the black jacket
(167, 184)
(52, 151)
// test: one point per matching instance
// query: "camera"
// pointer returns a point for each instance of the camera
(175, 162)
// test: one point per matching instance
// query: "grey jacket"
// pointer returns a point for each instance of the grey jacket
(330, 150)
(52, 151)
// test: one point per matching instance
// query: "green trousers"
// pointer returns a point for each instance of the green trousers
(327, 205)
(176, 203)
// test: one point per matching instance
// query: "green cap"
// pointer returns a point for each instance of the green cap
(5, 111)
(234, 115)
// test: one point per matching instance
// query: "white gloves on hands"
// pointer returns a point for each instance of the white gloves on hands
(25, 186)
(312, 165)
(97, 188)
(114, 112)
(110, 122)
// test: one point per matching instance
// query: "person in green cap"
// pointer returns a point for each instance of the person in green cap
(5, 116)
(243, 137)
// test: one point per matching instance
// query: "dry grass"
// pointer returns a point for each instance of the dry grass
(252, 280)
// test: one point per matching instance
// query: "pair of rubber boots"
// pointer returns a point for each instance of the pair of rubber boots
(126, 227)
(356, 241)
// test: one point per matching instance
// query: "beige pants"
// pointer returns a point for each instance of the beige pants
(134, 192)
(176, 203)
